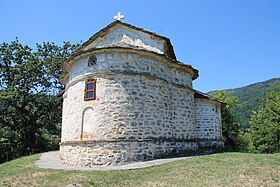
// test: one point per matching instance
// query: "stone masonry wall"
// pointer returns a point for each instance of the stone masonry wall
(142, 110)
(130, 107)
(207, 119)
(92, 153)
(125, 81)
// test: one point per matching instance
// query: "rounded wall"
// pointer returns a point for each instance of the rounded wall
(136, 115)
(208, 120)
(104, 153)
(137, 62)
(208, 125)
(129, 107)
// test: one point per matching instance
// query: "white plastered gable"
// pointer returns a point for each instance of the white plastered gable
(124, 36)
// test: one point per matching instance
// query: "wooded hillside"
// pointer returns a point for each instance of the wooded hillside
(250, 98)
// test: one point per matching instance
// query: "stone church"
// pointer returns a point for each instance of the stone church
(127, 98)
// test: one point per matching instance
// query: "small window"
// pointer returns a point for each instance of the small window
(92, 60)
(90, 90)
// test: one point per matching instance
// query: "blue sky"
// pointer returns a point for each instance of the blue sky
(232, 43)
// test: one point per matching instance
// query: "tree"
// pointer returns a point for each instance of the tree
(30, 113)
(230, 124)
(264, 131)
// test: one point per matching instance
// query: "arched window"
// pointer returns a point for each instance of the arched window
(87, 129)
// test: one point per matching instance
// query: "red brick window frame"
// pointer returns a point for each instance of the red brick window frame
(90, 90)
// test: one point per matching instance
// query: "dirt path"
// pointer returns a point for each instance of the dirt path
(50, 160)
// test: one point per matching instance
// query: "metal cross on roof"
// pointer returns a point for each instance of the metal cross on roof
(119, 16)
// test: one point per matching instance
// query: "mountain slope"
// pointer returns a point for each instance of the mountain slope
(249, 99)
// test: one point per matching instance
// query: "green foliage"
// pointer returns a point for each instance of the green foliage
(264, 131)
(30, 114)
(249, 99)
(224, 96)
(242, 142)
(253, 98)
(230, 124)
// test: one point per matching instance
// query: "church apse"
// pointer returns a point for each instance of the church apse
(134, 102)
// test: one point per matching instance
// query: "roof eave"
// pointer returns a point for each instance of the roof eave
(194, 72)
(207, 96)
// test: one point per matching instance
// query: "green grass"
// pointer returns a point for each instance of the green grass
(227, 169)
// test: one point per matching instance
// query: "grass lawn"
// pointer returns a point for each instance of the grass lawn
(227, 169)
